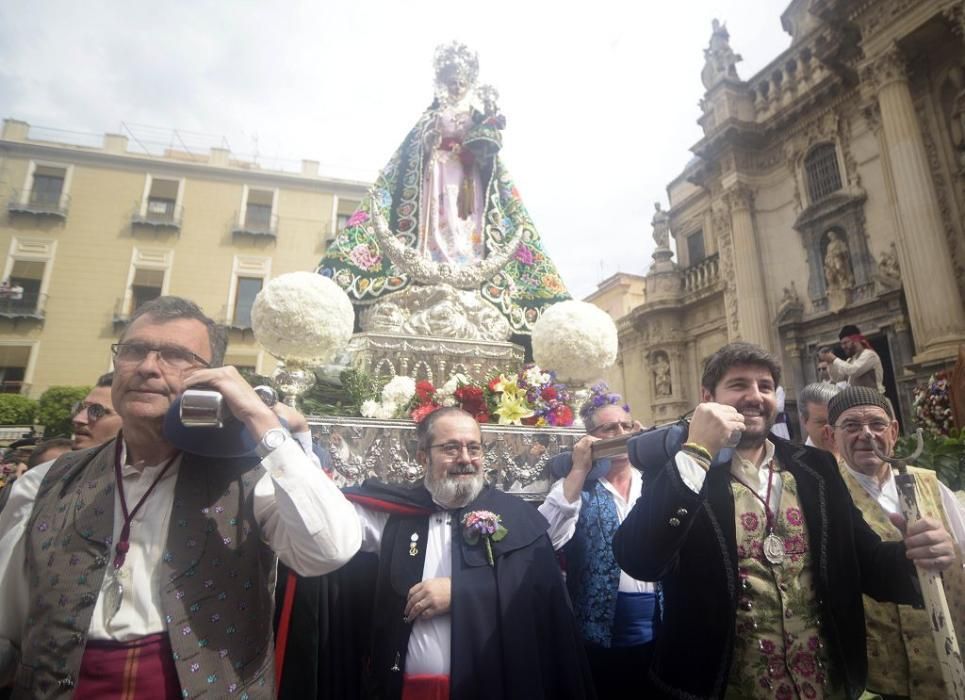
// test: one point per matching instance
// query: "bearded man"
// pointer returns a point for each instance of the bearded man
(762, 557)
(461, 612)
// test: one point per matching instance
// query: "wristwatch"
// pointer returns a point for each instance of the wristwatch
(270, 441)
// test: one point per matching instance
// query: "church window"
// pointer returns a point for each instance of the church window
(821, 168)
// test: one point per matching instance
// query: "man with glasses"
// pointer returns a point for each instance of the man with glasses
(615, 612)
(95, 422)
(144, 572)
(469, 599)
(902, 661)
(761, 556)
(94, 419)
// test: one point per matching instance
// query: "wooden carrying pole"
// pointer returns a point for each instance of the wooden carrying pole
(943, 631)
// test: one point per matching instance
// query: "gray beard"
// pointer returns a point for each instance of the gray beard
(454, 493)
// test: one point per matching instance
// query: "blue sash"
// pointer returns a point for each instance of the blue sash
(633, 622)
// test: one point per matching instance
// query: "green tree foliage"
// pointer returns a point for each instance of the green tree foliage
(343, 397)
(944, 454)
(17, 410)
(54, 409)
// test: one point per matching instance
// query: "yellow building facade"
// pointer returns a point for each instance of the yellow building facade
(88, 233)
(827, 189)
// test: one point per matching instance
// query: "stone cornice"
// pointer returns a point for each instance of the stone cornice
(152, 164)
(738, 197)
(890, 66)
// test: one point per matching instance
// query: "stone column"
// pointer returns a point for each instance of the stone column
(752, 321)
(934, 304)
(794, 369)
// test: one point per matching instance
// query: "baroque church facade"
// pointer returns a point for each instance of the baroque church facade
(828, 189)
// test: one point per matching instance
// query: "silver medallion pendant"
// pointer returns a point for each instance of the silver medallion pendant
(774, 550)
(113, 596)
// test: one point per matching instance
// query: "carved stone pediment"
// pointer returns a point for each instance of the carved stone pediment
(830, 207)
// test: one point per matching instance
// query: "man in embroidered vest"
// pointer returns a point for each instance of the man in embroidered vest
(143, 572)
(615, 611)
(812, 402)
(863, 366)
(469, 600)
(902, 660)
(761, 558)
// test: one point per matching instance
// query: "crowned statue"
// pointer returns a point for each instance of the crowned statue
(442, 245)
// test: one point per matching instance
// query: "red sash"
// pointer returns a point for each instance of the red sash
(142, 669)
(425, 687)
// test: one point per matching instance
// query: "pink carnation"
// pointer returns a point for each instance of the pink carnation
(364, 258)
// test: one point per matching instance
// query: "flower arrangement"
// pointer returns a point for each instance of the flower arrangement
(600, 396)
(302, 316)
(578, 339)
(532, 396)
(486, 526)
(396, 396)
(932, 403)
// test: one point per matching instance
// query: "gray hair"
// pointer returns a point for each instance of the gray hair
(819, 393)
(424, 429)
(171, 308)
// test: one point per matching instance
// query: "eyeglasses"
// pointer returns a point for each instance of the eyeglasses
(611, 428)
(853, 427)
(95, 411)
(452, 450)
(170, 355)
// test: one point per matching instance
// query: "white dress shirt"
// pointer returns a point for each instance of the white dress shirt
(562, 516)
(886, 495)
(756, 477)
(300, 512)
(864, 361)
(429, 646)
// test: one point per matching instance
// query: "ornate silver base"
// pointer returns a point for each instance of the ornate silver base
(516, 456)
(435, 359)
(439, 311)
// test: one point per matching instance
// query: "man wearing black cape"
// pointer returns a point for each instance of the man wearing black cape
(468, 599)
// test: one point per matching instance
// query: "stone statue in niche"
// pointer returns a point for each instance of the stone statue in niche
(837, 263)
(661, 375)
(837, 271)
(888, 268)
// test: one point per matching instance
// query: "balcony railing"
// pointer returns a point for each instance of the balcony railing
(257, 226)
(28, 305)
(169, 217)
(39, 203)
(702, 275)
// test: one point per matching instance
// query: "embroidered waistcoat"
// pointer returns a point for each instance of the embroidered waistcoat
(593, 575)
(902, 658)
(779, 650)
(216, 580)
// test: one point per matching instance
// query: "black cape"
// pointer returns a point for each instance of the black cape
(513, 631)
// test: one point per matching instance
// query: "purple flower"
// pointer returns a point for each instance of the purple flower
(359, 217)
(524, 255)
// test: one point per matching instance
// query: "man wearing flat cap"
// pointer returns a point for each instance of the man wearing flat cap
(863, 366)
(902, 661)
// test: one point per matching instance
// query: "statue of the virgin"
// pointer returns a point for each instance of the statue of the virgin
(443, 221)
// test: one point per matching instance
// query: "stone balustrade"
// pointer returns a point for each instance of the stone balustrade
(791, 74)
(702, 275)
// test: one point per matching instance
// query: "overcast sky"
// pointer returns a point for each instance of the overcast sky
(601, 99)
